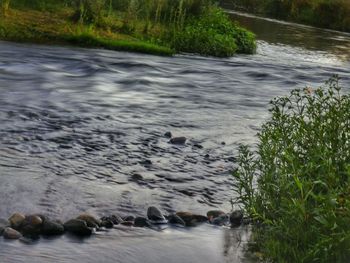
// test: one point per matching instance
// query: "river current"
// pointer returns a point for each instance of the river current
(82, 130)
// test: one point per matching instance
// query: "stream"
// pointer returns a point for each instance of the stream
(82, 130)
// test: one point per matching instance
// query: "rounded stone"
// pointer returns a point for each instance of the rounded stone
(52, 228)
(107, 223)
(236, 218)
(221, 220)
(176, 220)
(10, 233)
(33, 220)
(168, 134)
(214, 214)
(154, 214)
(90, 220)
(78, 227)
(16, 220)
(192, 219)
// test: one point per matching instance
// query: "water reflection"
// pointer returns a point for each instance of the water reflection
(296, 35)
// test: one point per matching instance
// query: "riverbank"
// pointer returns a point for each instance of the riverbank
(325, 14)
(208, 32)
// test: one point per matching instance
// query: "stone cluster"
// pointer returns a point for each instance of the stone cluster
(25, 227)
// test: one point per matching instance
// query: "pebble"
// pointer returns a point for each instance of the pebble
(168, 135)
(178, 140)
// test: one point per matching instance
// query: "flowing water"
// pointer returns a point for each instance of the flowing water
(83, 130)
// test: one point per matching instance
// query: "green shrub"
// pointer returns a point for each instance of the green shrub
(296, 184)
(213, 33)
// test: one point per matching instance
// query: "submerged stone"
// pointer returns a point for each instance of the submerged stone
(214, 214)
(78, 227)
(192, 219)
(10, 233)
(168, 134)
(176, 220)
(141, 222)
(236, 218)
(90, 220)
(154, 214)
(221, 220)
(178, 140)
(52, 228)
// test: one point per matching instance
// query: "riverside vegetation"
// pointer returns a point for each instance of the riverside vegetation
(295, 184)
(161, 27)
(332, 14)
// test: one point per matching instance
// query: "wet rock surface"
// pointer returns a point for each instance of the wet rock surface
(10, 233)
(31, 227)
(78, 227)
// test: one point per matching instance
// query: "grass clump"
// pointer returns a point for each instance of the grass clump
(295, 185)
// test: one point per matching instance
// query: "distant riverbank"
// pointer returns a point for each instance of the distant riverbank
(333, 14)
(155, 27)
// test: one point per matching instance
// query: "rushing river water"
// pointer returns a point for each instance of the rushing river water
(78, 127)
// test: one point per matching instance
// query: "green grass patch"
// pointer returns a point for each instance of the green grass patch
(88, 40)
(295, 185)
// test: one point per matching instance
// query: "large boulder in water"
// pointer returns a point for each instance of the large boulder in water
(176, 220)
(78, 227)
(31, 225)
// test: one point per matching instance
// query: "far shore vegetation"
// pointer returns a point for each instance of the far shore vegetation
(295, 183)
(331, 14)
(161, 27)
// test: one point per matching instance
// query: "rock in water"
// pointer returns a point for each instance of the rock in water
(31, 226)
(3, 224)
(236, 218)
(168, 135)
(77, 227)
(221, 220)
(192, 219)
(154, 214)
(115, 219)
(214, 214)
(107, 223)
(176, 220)
(90, 220)
(10, 233)
(52, 228)
(141, 222)
(16, 220)
(178, 140)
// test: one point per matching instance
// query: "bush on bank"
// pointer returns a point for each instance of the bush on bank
(295, 185)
